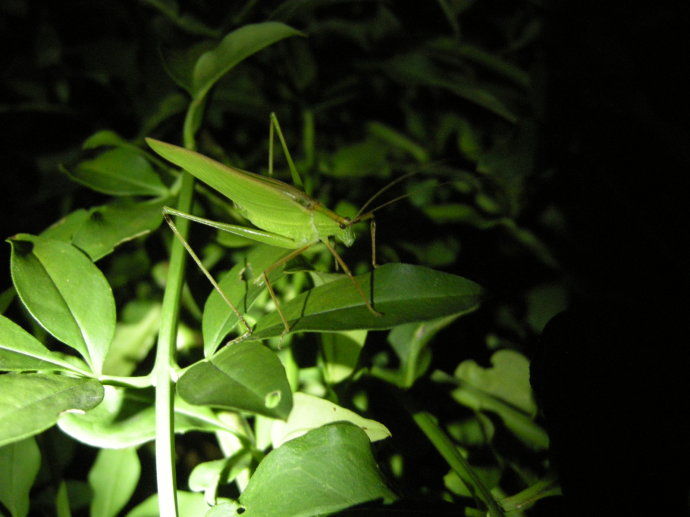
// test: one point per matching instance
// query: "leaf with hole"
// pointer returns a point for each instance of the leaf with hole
(246, 376)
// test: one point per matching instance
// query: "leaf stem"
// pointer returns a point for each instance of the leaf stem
(455, 460)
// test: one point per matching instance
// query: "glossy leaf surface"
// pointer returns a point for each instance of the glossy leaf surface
(324, 471)
(113, 478)
(245, 376)
(20, 351)
(66, 293)
(19, 464)
(309, 412)
(241, 289)
(403, 293)
(119, 172)
(31, 403)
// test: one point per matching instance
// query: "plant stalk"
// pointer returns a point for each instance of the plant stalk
(167, 338)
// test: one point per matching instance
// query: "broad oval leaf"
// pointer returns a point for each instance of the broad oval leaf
(234, 48)
(32, 402)
(19, 464)
(309, 412)
(66, 293)
(402, 293)
(326, 470)
(119, 172)
(240, 288)
(245, 376)
(113, 464)
(20, 351)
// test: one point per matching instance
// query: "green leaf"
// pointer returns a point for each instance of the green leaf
(309, 412)
(62, 508)
(119, 172)
(108, 226)
(326, 470)
(127, 419)
(134, 337)
(340, 352)
(104, 138)
(403, 293)
(503, 389)
(19, 464)
(66, 293)
(99, 230)
(507, 379)
(32, 402)
(245, 376)
(113, 478)
(207, 476)
(20, 351)
(188, 505)
(409, 342)
(240, 288)
(186, 22)
(416, 68)
(366, 158)
(233, 49)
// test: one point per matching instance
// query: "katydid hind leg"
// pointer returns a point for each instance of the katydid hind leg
(207, 274)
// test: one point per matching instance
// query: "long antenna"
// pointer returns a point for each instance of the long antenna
(381, 191)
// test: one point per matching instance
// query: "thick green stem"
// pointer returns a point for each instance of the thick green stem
(165, 352)
(455, 460)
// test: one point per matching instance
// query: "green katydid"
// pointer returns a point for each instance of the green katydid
(284, 215)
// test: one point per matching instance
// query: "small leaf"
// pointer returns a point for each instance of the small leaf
(19, 464)
(133, 339)
(340, 352)
(233, 49)
(409, 342)
(66, 293)
(403, 293)
(32, 402)
(240, 288)
(119, 172)
(309, 412)
(504, 390)
(507, 379)
(104, 138)
(326, 470)
(20, 351)
(113, 478)
(207, 476)
(240, 376)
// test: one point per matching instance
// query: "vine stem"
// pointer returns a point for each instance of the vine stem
(165, 363)
(455, 460)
